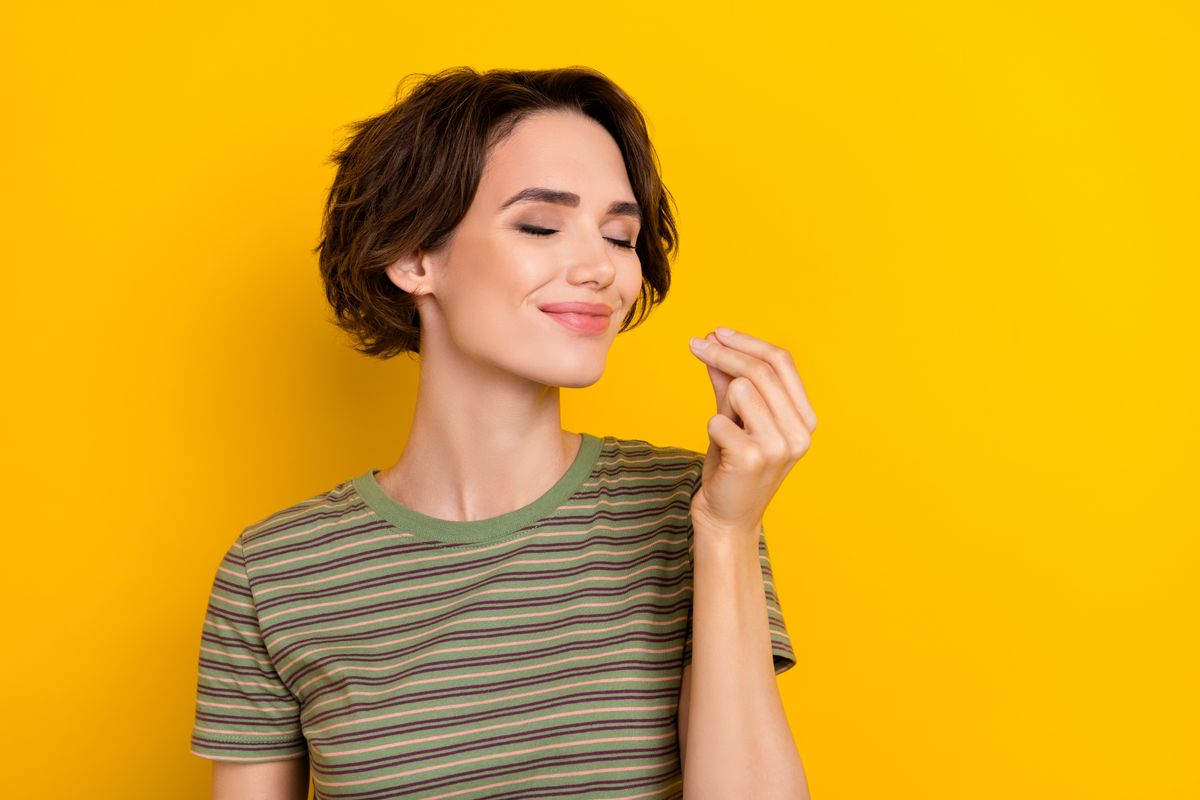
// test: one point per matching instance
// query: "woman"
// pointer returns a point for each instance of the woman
(509, 609)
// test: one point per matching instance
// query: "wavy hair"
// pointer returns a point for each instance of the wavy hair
(406, 177)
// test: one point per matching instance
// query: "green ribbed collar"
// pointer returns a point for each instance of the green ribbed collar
(480, 530)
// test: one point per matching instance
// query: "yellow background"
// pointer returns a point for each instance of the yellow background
(974, 225)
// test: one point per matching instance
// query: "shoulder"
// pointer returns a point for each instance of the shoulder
(641, 455)
(644, 448)
(302, 523)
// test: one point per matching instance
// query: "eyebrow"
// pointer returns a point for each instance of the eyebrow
(539, 194)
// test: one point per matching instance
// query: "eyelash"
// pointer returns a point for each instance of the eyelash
(533, 230)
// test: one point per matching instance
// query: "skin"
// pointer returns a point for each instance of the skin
(269, 780)
(762, 428)
(487, 436)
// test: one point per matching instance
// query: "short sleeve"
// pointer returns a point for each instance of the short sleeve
(781, 643)
(244, 712)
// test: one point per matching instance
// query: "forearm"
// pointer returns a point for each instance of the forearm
(739, 743)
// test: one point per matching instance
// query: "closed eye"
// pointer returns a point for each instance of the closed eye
(533, 230)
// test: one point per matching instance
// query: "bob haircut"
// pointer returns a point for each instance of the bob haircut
(406, 178)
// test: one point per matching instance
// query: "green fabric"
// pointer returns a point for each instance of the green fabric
(484, 529)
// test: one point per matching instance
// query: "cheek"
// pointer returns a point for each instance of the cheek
(488, 294)
(485, 272)
(631, 283)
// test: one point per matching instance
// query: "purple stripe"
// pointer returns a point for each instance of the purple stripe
(582, 522)
(229, 691)
(499, 605)
(609, 565)
(293, 546)
(268, 525)
(477, 746)
(565, 548)
(640, 611)
(230, 643)
(247, 722)
(531, 767)
(431, 695)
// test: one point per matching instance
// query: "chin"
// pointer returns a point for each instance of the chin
(570, 377)
(578, 383)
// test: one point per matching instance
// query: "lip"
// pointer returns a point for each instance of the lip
(577, 307)
(580, 323)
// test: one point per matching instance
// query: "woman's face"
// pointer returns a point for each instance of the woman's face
(481, 294)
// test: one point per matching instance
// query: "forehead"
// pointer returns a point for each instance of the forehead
(559, 149)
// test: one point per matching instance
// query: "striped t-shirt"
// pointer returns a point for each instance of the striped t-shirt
(537, 654)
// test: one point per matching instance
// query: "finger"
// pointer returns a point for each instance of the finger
(788, 418)
(781, 361)
(761, 424)
(720, 382)
(730, 439)
(720, 385)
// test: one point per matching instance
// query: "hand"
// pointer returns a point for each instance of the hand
(762, 427)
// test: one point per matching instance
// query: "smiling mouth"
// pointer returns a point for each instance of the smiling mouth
(581, 323)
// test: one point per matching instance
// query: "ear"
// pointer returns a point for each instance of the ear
(412, 272)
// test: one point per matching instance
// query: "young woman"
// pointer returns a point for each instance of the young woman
(511, 609)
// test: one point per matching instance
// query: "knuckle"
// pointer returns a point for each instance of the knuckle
(754, 457)
(779, 451)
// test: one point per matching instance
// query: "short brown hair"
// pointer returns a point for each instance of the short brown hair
(406, 178)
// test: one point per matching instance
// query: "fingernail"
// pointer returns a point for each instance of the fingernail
(725, 331)
(698, 344)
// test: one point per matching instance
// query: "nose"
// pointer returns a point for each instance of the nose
(592, 262)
